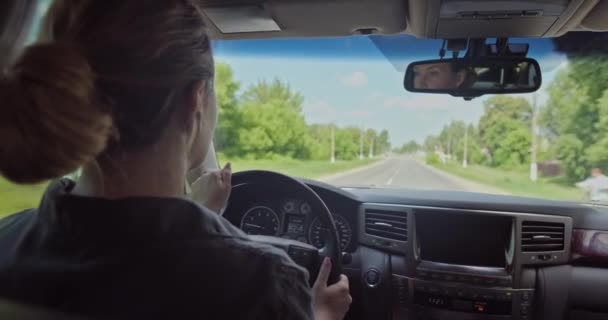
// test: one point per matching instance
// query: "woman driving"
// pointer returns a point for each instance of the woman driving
(446, 75)
(124, 89)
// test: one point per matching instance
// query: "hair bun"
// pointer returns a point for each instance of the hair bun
(51, 121)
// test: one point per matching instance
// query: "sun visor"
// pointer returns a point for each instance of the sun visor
(453, 19)
(597, 20)
(499, 17)
(242, 19)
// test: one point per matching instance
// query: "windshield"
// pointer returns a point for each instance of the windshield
(335, 110)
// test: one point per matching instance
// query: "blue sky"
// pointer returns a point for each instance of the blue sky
(358, 81)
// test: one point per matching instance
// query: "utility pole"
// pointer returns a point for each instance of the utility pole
(533, 164)
(371, 148)
(361, 145)
(333, 145)
(465, 162)
(449, 155)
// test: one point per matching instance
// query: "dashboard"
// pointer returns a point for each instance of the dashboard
(293, 219)
(259, 212)
(448, 255)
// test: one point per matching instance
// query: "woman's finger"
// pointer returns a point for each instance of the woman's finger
(323, 276)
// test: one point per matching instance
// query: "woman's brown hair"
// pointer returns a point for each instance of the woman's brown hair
(106, 80)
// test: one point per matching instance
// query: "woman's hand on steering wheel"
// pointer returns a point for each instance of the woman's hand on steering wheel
(212, 189)
(330, 302)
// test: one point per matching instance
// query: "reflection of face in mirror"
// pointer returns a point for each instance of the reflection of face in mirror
(440, 76)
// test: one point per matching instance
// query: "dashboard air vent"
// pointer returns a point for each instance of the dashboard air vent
(386, 224)
(542, 236)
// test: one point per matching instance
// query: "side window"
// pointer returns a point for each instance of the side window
(41, 9)
(13, 197)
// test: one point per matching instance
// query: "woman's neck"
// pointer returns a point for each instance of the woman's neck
(154, 173)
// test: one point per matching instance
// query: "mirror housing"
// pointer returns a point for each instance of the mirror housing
(474, 77)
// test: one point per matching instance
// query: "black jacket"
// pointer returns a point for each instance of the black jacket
(144, 258)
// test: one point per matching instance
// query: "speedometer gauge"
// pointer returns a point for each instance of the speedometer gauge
(344, 232)
(260, 221)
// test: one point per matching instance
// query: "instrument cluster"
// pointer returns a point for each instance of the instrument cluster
(294, 219)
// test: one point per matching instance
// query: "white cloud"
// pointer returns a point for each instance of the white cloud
(319, 111)
(355, 79)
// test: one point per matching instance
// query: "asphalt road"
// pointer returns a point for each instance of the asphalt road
(403, 172)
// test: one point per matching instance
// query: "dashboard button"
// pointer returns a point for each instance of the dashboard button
(448, 277)
(525, 296)
(372, 277)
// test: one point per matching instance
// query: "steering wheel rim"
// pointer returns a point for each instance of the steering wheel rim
(331, 248)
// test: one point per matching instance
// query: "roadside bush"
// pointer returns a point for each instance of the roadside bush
(432, 158)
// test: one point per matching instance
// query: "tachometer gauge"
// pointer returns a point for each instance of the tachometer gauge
(305, 208)
(289, 206)
(260, 221)
(344, 232)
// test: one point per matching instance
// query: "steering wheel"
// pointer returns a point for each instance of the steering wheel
(302, 253)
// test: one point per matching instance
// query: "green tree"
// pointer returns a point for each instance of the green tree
(347, 143)
(229, 116)
(572, 118)
(431, 143)
(320, 146)
(566, 97)
(272, 122)
(597, 153)
(505, 130)
(368, 136)
(474, 153)
(409, 147)
(383, 144)
(569, 149)
(451, 136)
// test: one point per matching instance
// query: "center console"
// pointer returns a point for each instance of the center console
(465, 264)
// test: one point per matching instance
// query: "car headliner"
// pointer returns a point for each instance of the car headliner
(420, 18)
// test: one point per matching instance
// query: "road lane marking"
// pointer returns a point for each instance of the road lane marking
(390, 180)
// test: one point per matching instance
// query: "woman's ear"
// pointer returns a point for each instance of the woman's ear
(194, 102)
(461, 76)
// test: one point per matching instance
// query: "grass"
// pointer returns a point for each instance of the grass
(516, 182)
(14, 198)
(297, 168)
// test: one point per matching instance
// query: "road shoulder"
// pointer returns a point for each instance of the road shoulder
(341, 174)
(469, 185)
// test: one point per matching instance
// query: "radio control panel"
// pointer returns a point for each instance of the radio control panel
(428, 299)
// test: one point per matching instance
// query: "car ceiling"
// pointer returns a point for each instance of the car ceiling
(421, 18)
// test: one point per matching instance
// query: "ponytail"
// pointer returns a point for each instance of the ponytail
(51, 121)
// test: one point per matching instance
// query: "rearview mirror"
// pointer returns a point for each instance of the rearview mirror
(466, 77)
